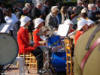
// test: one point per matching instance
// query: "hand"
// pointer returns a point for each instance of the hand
(42, 43)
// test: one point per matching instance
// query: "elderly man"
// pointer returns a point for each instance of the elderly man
(51, 19)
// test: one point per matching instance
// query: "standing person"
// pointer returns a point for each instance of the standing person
(24, 43)
(62, 15)
(11, 20)
(45, 9)
(51, 19)
(36, 11)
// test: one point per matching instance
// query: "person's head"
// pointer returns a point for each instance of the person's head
(8, 12)
(54, 10)
(91, 7)
(98, 3)
(84, 10)
(46, 2)
(28, 5)
(25, 10)
(38, 23)
(79, 3)
(85, 3)
(82, 25)
(39, 5)
(25, 21)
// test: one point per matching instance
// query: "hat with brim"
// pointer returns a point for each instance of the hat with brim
(24, 20)
(81, 24)
(37, 22)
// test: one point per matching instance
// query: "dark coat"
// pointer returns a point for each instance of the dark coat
(35, 13)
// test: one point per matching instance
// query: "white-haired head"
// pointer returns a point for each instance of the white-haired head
(54, 9)
(27, 5)
(84, 10)
(91, 6)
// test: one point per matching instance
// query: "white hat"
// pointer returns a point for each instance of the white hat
(81, 24)
(38, 21)
(90, 22)
(24, 20)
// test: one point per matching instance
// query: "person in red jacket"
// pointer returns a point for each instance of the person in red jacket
(24, 42)
(38, 41)
(82, 27)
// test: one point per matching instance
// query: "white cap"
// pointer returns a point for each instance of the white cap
(38, 21)
(24, 20)
(90, 22)
(81, 24)
(84, 10)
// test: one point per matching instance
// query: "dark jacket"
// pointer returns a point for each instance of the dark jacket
(35, 13)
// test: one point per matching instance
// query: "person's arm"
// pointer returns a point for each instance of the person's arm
(25, 38)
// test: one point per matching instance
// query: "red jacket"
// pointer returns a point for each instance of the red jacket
(78, 34)
(36, 37)
(23, 41)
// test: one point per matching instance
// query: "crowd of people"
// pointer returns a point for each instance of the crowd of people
(33, 22)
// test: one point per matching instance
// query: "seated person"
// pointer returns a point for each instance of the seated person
(82, 27)
(24, 43)
(39, 23)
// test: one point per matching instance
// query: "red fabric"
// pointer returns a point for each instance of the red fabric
(78, 34)
(36, 37)
(23, 41)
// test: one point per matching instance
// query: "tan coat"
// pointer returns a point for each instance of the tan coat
(92, 66)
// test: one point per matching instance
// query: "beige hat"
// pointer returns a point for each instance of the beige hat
(38, 21)
(81, 24)
(24, 20)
